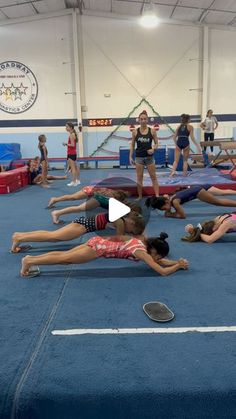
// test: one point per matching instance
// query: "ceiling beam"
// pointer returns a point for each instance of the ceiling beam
(30, 2)
(233, 21)
(173, 11)
(205, 12)
(179, 5)
(34, 8)
(4, 14)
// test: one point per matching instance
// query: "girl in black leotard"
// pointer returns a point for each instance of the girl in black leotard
(181, 139)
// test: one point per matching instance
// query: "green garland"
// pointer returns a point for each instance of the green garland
(124, 121)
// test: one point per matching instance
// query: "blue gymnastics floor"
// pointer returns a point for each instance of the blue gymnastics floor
(136, 376)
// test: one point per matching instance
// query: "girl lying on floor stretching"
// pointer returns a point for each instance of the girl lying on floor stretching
(133, 224)
(205, 193)
(97, 198)
(152, 251)
(212, 230)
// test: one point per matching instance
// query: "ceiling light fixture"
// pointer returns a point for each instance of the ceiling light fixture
(149, 18)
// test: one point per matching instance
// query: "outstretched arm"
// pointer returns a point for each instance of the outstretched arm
(168, 262)
(145, 257)
(179, 212)
(217, 234)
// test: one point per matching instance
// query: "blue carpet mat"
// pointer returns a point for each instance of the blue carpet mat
(190, 376)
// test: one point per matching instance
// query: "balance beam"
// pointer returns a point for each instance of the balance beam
(229, 145)
(223, 146)
(215, 143)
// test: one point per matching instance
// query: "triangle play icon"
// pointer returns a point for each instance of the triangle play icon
(116, 210)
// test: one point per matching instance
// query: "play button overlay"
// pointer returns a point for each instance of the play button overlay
(117, 210)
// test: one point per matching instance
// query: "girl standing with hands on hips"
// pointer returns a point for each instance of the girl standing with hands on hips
(143, 137)
(209, 126)
(72, 154)
(182, 143)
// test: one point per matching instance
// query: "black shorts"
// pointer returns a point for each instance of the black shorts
(33, 176)
(89, 223)
(72, 157)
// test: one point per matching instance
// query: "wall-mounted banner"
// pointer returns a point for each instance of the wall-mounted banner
(18, 87)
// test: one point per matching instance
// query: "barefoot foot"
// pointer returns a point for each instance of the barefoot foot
(55, 217)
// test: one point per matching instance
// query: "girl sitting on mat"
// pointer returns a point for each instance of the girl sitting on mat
(35, 172)
(182, 144)
(133, 224)
(204, 193)
(152, 251)
(210, 231)
(97, 198)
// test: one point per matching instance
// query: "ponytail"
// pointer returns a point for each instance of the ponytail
(158, 244)
(71, 125)
(195, 235)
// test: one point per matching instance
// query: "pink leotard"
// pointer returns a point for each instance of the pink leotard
(116, 249)
(90, 190)
(233, 218)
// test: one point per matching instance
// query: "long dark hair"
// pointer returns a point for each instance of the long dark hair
(159, 244)
(71, 125)
(185, 118)
(195, 235)
(155, 202)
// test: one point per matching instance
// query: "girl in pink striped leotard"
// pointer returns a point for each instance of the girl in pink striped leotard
(152, 251)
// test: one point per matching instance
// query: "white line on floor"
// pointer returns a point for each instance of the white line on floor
(149, 330)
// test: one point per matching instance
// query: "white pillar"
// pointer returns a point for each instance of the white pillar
(77, 77)
(205, 71)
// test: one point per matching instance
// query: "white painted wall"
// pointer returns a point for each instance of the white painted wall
(38, 44)
(222, 72)
(128, 61)
(124, 60)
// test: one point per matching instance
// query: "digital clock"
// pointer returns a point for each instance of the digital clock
(98, 122)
